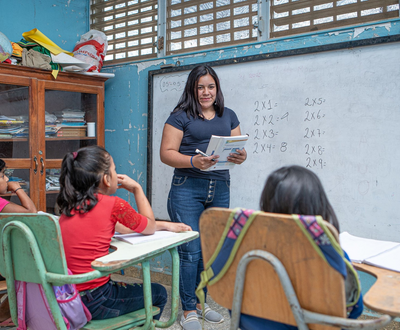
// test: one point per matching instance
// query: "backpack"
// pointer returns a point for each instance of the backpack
(34, 311)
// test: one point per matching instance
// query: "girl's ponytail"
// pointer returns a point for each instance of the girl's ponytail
(81, 175)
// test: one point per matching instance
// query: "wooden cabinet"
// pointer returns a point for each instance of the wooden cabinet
(33, 152)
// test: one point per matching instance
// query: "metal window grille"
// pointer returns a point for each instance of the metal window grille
(130, 26)
(192, 25)
(289, 17)
(201, 24)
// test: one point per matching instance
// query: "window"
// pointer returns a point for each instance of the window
(130, 26)
(290, 17)
(202, 24)
(193, 25)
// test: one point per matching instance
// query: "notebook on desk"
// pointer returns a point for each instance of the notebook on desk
(136, 238)
(383, 254)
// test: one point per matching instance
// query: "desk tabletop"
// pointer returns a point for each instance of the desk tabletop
(127, 254)
(384, 295)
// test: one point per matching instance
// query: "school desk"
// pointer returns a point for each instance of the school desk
(130, 254)
(384, 295)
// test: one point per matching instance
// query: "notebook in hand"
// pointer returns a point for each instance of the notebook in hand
(223, 146)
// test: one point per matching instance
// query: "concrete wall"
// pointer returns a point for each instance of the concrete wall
(63, 21)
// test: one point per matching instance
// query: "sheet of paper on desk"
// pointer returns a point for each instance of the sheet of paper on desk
(389, 259)
(136, 238)
(359, 248)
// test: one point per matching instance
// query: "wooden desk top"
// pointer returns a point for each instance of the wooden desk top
(384, 295)
(129, 254)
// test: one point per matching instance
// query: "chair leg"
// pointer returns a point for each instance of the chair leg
(174, 291)
(148, 301)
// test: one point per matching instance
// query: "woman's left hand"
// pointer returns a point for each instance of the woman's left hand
(238, 157)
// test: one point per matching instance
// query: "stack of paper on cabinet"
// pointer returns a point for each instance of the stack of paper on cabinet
(383, 254)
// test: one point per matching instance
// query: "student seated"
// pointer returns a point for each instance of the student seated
(27, 206)
(89, 216)
(6, 206)
(295, 190)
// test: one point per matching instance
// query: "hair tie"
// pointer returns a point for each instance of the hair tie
(75, 154)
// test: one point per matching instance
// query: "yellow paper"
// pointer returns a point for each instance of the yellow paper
(54, 73)
(36, 36)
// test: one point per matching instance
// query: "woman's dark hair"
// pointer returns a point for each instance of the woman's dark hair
(2, 165)
(189, 101)
(296, 190)
(81, 173)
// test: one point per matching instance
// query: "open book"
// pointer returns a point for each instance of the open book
(223, 146)
(383, 254)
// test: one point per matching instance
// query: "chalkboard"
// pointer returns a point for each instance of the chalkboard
(335, 112)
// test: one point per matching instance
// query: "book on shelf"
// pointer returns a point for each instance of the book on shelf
(382, 254)
(223, 146)
(11, 122)
(72, 131)
(72, 123)
(71, 134)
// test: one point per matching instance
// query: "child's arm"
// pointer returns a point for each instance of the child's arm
(142, 203)
(120, 228)
(160, 225)
(26, 206)
(145, 209)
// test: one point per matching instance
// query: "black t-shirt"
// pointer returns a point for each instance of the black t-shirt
(196, 135)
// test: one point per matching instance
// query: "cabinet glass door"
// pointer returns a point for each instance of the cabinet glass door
(70, 124)
(14, 132)
(70, 119)
(14, 121)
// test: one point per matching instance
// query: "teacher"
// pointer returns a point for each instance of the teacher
(199, 114)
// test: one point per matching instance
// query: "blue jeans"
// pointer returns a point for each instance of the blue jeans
(115, 298)
(187, 199)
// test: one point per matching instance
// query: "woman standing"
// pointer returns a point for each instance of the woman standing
(199, 114)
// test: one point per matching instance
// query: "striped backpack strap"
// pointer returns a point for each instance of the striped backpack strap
(323, 241)
(236, 227)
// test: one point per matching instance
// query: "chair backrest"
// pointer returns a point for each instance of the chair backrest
(45, 231)
(318, 286)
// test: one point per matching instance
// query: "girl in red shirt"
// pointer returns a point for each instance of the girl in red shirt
(89, 218)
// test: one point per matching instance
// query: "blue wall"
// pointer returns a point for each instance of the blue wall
(62, 21)
(126, 99)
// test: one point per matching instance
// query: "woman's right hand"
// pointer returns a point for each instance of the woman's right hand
(203, 163)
